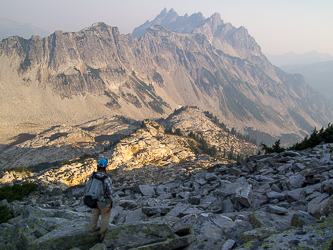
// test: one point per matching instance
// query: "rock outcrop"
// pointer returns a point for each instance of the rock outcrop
(145, 146)
(48, 148)
(277, 201)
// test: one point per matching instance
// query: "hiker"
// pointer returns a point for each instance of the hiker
(105, 204)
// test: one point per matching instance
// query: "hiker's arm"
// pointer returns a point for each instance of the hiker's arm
(109, 187)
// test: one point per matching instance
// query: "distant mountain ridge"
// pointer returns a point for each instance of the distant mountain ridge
(318, 75)
(294, 58)
(10, 28)
(72, 77)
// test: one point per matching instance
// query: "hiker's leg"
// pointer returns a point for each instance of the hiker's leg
(94, 219)
(105, 218)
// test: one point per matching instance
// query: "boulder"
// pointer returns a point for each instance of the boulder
(295, 195)
(156, 210)
(295, 181)
(321, 237)
(314, 202)
(9, 238)
(184, 224)
(327, 186)
(235, 231)
(66, 237)
(302, 218)
(244, 195)
(212, 226)
(263, 219)
(147, 190)
(137, 234)
(177, 243)
(257, 234)
(207, 244)
(276, 210)
(178, 209)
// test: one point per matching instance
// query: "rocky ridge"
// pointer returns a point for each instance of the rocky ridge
(73, 77)
(146, 146)
(277, 201)
(57, 144)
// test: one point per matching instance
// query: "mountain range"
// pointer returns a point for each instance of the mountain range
(10, 28)
(173, 61)
(298, 59)
(318, 75)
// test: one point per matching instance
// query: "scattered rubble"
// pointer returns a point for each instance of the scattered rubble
(282, 201)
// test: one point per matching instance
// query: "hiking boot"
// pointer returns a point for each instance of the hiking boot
(101, 238)
(98, 228)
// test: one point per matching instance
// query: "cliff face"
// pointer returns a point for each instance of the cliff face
(72, 77)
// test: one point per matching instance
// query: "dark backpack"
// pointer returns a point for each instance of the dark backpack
(94, 191)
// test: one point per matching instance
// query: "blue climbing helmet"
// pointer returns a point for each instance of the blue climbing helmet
(102, 163)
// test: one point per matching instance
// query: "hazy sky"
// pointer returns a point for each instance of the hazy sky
(278, 26)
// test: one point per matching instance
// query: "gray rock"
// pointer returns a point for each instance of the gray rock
(126, 203)
(3, 202)
(257, 234)
(211, 226)
(275, 188)
(177, 243)
(56, 192)
(76, 191)
(211, 177)
(263, 219)
(162, 189)
(314, 202)
(298, 167)
(235, 231)
(276, 210)
(251, 166)
(301, 219)
(195, 200)
(165, 196)
(66, 237)
(99, 246)
(295, 181)
(295, 195)
(327, 186)
(235, 171)
(179, 208)
(206, 244)
(185, 223)
(191, 210)
(129, 217)
(328, 208)
(227, 206)
(138, 234)
(156, 210)
(230, 188)
(201, 181)
(9, 238)
(244, 195)
(147, 190)
(275, 195)
(228, 245)
(320, 238)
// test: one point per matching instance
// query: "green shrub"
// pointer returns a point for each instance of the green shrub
(17, 191)
(6, 213)
(316, 137)
(22, 169)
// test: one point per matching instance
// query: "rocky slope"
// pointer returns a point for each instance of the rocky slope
(73, 77)
(148, 149)
(279, 201)
(63, 142)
